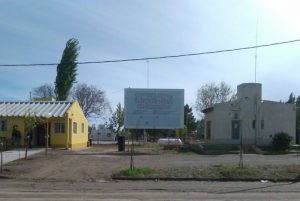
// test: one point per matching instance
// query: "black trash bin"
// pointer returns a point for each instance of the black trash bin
(121, 143)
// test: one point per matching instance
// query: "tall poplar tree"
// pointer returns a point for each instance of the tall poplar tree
(189, 119)
(67, 70)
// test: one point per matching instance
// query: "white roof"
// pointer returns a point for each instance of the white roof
(34, 108)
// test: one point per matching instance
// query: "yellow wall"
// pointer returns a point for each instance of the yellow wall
(69, 139)
(11, 121)
(57, 139)
(63, 140)
(75, 114)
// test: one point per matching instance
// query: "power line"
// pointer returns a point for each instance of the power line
(158, 57)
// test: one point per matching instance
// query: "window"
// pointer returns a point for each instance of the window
(262, 124)
(3, 125)
(59, 127)
(253, 124)
(74, 127)
(236, 116)
(208, 130)
(82, 128)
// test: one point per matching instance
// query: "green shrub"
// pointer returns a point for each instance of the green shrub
(281, 141)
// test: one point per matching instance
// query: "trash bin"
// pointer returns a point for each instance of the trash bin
(121, 143)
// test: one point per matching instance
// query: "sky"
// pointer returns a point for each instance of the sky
(35, 31)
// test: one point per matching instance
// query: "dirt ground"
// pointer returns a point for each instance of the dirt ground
(86, 175)
(99, 162)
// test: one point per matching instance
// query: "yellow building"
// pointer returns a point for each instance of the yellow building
(65, 123)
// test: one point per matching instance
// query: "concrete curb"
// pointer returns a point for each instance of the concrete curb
(202, 179)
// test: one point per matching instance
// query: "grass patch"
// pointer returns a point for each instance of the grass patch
(219, 171)
(234, 171)
(138, 172)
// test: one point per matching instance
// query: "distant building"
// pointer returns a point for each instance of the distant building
(101, 133)
(249, 118)
(64, 121)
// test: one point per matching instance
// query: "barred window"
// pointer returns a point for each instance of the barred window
(74, 127)
(3, 125)
(82, 128)
(59, 127)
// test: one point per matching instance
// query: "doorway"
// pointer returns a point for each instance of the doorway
(39, 135)
(235, 129)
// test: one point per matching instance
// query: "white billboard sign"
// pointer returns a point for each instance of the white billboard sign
(154, 108)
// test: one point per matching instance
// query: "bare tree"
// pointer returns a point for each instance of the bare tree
(92, 100)
(212, 93)
(44, 91)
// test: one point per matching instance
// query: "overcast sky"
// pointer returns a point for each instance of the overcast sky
(35, 31)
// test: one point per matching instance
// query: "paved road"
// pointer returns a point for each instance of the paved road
(149, 196)
(149, 190)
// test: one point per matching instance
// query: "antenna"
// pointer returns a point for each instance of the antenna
(255, 56)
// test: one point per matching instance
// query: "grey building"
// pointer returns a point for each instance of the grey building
(248, 117)
(101, 133)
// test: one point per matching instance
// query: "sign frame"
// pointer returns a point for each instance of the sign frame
(146, 108)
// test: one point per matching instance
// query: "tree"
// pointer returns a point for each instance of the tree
(92, 100)
(281, 141)
(292, 98)
(30, 122)
(44, 91)
(200, 128)
(212, 93)
(189, 119)
(298, 120)
(116, 122)
(66, 70)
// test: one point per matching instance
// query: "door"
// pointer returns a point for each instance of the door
(40, 133)
(69, 138)
(49, 133)
(235, 129)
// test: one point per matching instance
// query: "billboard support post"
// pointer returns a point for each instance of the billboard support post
(152, 109)
(132, 150)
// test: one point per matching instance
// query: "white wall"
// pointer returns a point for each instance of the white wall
(277, 117)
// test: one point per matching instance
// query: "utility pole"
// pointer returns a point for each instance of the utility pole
(241, 162)
(255, 56)
(255, 121)
(147, 73)
(145, 132)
